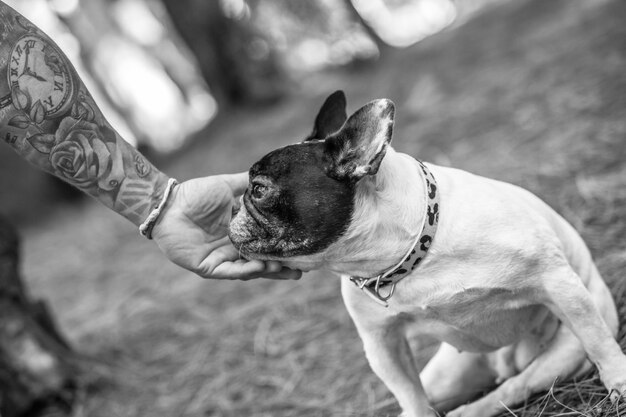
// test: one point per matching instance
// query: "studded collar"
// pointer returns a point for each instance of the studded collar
(388, 280)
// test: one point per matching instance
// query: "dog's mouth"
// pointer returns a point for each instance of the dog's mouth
(257, 238)
(252, 234)
(260, 225)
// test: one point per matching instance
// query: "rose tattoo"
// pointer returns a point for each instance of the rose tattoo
(84, 154)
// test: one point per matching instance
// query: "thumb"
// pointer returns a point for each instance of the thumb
(237, 182)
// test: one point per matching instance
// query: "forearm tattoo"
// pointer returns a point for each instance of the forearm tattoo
(49, 118)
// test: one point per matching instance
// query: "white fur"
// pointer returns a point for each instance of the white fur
(502, 273)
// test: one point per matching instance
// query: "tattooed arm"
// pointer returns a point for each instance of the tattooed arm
(49, 118)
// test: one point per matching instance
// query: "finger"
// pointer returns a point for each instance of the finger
(239, 269)
(284, 274)
(225, 263)
(223, 252)
(246, 270)
(237, 182)
(276, 270)
(273, 266)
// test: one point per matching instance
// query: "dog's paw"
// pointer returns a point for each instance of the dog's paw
(475, 409)
(615, 396)
(617, 390)
(615, 382)
(457, 412)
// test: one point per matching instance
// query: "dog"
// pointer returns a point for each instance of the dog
(506, 285)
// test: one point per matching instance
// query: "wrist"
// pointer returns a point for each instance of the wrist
(155, 184)
(169, 208)
(160, 182)
(147, 227)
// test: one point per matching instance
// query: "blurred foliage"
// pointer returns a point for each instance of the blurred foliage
(160, 69)
(149, 62)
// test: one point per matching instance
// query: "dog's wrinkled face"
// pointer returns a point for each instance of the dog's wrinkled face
(301, 197)
(293, 207)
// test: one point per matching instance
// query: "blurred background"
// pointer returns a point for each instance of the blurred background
(528, 91)
(162, 70)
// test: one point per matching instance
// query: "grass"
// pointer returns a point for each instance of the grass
(530, 92)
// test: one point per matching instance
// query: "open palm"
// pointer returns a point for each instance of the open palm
(192, 231)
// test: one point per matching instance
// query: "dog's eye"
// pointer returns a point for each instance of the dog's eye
(258, 190)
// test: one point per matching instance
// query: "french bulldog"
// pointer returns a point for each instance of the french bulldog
(505, 283)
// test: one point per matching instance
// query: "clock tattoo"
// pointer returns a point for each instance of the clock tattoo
(39, 75)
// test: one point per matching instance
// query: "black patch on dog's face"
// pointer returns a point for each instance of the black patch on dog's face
(298, 209)
(301, 197)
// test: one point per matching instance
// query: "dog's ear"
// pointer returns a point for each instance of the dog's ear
(359, 147)
(331, 116)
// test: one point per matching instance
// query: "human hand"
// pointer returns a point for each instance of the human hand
(192, 231)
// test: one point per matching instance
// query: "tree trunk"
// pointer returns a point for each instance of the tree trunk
(224, 48)
(38, 371)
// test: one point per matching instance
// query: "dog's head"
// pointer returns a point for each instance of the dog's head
(301, 198)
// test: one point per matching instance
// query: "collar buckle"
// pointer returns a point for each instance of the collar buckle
(373, 291)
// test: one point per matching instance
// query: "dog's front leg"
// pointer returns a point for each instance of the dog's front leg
(572, 302)
(390, 357)
(387, 350)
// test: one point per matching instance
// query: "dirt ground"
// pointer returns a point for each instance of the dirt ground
(530, 92)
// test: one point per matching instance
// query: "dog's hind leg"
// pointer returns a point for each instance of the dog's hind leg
(452, 378)
(590, 314)
(563, 358)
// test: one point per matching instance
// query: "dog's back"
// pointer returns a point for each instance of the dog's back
(512, 216)
(579, 257)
